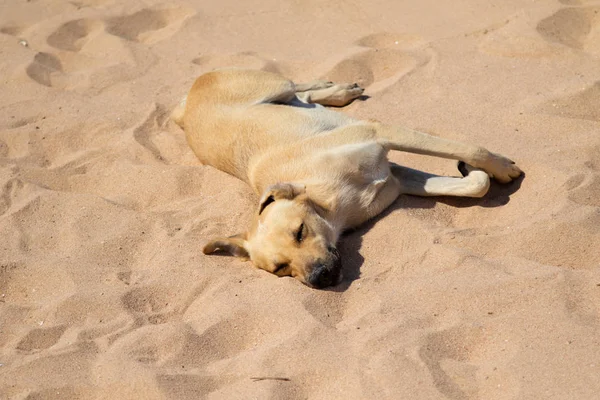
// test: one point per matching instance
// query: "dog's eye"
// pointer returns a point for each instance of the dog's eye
(280, 267)
(300, 233)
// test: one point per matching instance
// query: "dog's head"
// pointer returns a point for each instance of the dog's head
(288, 237)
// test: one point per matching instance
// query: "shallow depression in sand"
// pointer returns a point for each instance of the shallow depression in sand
(74, 34)
(574, 27)
(142, 25)
(381, 66)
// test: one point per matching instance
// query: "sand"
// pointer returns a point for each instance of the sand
(104, 290)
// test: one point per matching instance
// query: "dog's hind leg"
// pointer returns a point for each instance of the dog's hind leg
(314, 85)
(404, 139)
(337, 95)
(233, 86)
(419, 183)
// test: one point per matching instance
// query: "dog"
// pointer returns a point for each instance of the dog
(317, 172)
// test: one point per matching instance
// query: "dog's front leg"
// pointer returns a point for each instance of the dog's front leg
(313, 85)
(404, 139)
(337, 95)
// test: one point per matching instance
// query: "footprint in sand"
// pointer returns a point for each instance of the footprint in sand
(379, 61)
(581, 105)
(153, 304)
(575, 2)
(4, 151)
(63, 71)
(89, 69)
(41, 338)
(447, 354)
(177, 344)
(138, 352)
(62, 392)
(593, 158)
(146, 300)
(43, 67)
(453, 358)
(9, 192)
(12, 30)
(75, 34)
(148, 25)
(81, 58)
(588, 192)
(152, 344)
(191, 386)
(515, 38)
(570, 28)
(226, 338)
(147, 129)
(579, 294)
(575, 27)
(323, 309)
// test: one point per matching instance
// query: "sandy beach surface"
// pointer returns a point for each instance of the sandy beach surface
(105, 292)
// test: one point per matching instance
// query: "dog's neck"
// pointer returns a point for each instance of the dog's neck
(324, 204)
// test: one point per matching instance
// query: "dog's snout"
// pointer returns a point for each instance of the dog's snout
(327, 273)
(335, 254)
(321, 277)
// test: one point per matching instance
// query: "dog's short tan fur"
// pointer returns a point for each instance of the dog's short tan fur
(318, 172)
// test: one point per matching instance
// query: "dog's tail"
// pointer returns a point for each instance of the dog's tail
(179, 112)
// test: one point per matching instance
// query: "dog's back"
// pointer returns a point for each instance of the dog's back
(230, 116)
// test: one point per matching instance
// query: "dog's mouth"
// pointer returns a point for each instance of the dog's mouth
(326, 272)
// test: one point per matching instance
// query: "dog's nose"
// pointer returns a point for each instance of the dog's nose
(327, 273)
(321, 277)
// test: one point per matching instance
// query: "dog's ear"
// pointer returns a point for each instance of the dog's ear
(280, 191)
(234, 245)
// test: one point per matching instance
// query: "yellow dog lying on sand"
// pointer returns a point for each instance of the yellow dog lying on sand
(318, 172)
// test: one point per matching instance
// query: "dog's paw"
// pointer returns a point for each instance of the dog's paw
(343, 94)
(314, 85)
(323, 84)
(501, 168)
(350, 90)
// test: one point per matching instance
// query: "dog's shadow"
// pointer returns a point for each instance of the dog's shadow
(351, 241)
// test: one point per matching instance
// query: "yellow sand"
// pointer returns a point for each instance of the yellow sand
(104, 290)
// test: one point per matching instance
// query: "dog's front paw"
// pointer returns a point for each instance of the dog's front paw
(348, 91)
(314, 85)
(501, 168)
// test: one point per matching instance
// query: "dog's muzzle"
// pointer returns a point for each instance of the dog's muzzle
(327, 272)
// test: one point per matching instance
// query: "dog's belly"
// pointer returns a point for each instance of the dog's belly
(319, 119)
